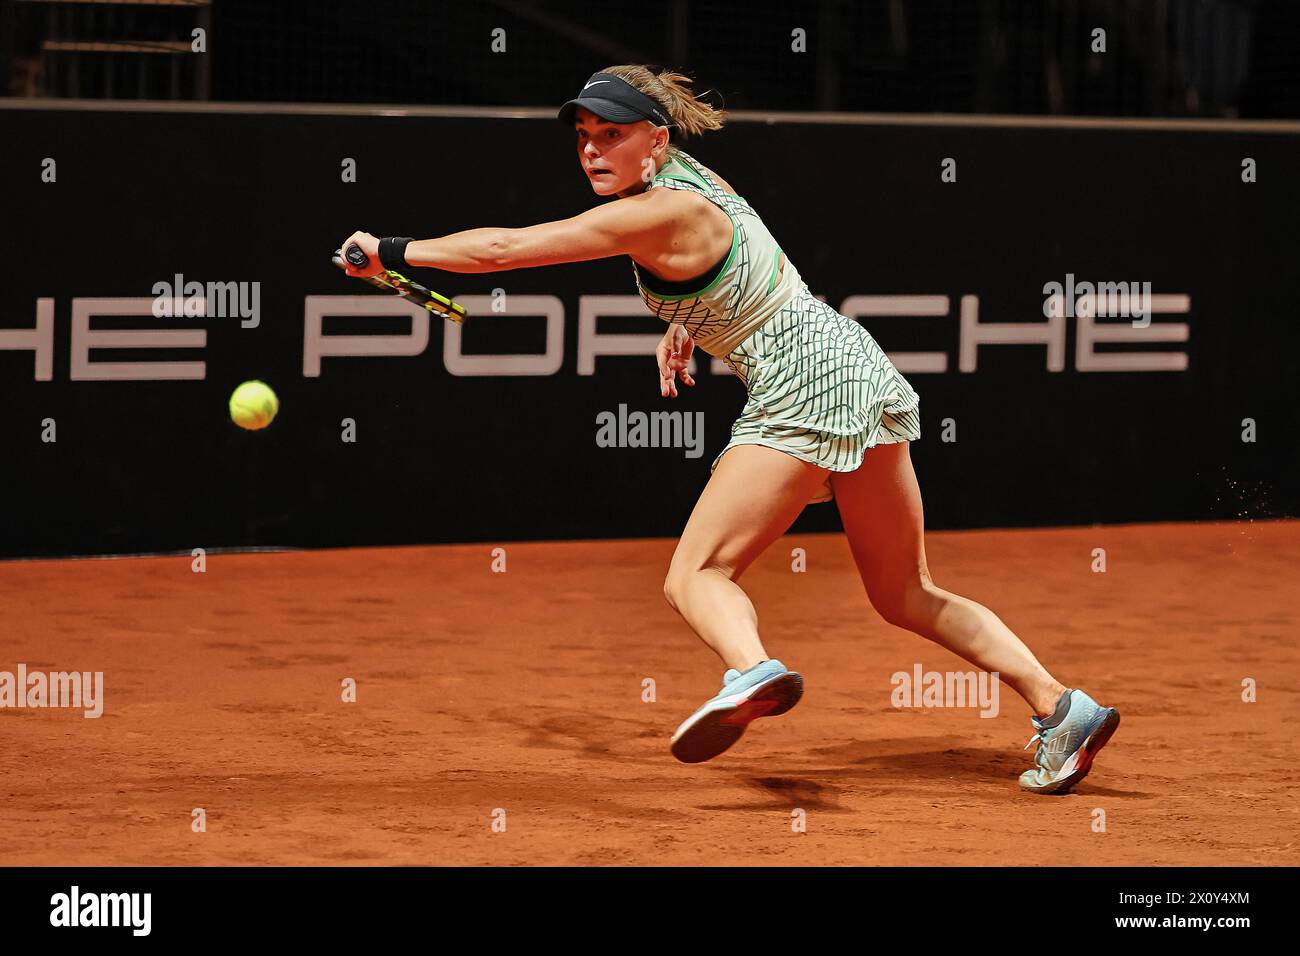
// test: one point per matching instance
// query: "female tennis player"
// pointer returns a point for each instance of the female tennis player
(827, 416)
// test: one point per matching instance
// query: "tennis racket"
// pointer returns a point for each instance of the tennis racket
(395, 282)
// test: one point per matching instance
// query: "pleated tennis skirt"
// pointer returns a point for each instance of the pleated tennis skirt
(820, 389)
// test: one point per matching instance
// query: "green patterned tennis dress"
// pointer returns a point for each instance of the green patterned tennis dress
(819, 386)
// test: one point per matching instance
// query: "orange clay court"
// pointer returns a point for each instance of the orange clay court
(522, 691)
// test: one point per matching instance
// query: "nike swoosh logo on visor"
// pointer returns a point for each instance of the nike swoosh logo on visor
(594, 82)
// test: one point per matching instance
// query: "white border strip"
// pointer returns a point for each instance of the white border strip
(741, 116)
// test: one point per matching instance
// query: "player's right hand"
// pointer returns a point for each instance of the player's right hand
(370, 246)
(674, 355)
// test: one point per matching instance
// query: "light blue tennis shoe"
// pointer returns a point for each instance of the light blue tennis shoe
(765, 690)
(1068, 740)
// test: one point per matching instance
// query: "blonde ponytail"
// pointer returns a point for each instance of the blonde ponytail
(672, 91)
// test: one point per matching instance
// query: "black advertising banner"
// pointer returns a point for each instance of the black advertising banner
(1100, 321)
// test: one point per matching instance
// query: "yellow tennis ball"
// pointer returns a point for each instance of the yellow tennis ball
(253, 405)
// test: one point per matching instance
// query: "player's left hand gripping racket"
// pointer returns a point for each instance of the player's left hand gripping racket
(395, 282)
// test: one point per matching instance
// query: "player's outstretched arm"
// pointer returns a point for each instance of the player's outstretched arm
(622, 227)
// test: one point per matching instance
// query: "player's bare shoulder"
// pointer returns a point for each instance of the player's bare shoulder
(685, 203)
(671, 206)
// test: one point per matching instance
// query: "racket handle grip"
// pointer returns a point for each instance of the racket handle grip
(356, 258)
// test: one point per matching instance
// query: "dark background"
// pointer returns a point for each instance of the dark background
(858, 208)
(1212, 58)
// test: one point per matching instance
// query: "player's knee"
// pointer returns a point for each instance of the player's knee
(671, 591)
(675, 584)
(890, 608)
(909, 603)
(681, 576)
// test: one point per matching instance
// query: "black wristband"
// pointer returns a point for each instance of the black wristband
(392, 253)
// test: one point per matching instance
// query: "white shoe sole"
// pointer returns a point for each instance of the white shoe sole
(720, 723)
